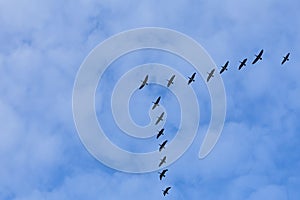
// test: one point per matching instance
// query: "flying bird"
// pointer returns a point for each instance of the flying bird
(285, 58)
(162, 174)
(170, 81)
(192, 78)
(210, 74)
(258, 57)
(243, 63)
(162, 146)
(162, 161)
(144, 82)
(156, 103)
(165, 192)
(161, 132)
(160, 118)
(224, 67)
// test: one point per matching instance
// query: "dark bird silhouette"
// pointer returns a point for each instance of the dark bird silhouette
(170, 81)
(162, 146)
(165, 192)
(162, 161)
(144, 82)
(156, 103)
(243, 63)
(210, 74)
(224, 67)
(161, 132)
(192, 78)
(162, 174)
(258, 57)
(285, 58)
(160, 118)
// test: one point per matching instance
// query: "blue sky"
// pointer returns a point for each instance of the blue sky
(44, 43)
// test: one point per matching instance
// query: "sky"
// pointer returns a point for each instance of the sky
(43, 45)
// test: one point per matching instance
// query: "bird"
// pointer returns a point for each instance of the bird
(162, 174)
(162, 146)
(224, 67)
(165, 192)
(285, 58)
(161, 132)
(243, 63)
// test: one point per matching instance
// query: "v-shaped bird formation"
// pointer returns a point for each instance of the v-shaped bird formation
(190, 80)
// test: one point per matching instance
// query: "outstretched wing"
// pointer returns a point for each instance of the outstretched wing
(255, 60)
(154, 106)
